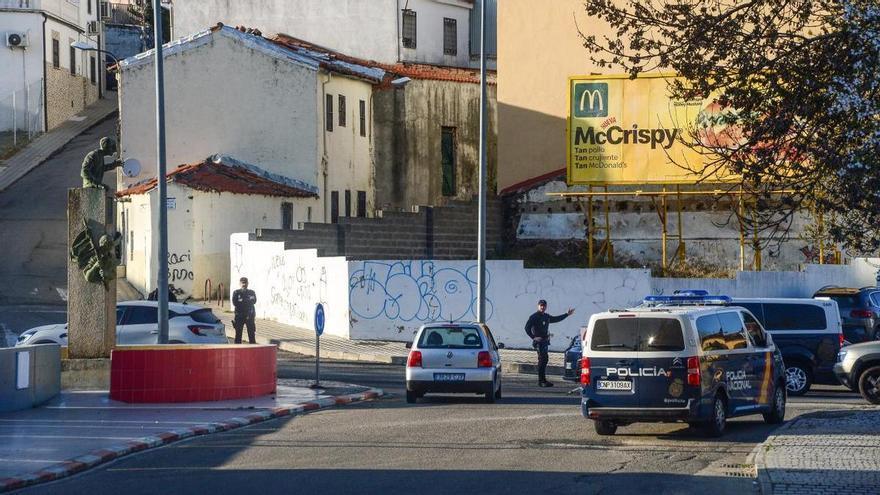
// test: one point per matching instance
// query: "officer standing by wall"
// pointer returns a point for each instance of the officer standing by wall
(537, 328)
(244, 300)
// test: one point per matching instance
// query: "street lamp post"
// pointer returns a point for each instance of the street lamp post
(162, 277)
(481, 220)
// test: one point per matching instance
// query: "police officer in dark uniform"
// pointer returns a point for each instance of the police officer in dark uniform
(537, 329)
(244, 300)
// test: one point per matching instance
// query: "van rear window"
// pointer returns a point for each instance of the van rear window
(637, 334)
(793, 317)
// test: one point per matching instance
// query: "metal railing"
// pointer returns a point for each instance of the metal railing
(20, 4)
(21, 115)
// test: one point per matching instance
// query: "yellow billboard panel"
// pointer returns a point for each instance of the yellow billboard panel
(629, 131)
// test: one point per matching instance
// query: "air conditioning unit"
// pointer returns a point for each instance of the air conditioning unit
(104, 9)
(16, 39)
(93, 28)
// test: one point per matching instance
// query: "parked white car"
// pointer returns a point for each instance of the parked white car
(137, 323)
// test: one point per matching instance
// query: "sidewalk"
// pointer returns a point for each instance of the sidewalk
(41, 148)
(79, 430)
(835, 452)
(302, 341)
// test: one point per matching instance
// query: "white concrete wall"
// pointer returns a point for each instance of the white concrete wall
(429, 32)
(360, 28)
(289, 284)
(224, 97)
(137, 231)
(20, 68)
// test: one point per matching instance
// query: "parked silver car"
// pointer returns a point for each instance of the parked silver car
(137, 323)
(858, 367)
(453, 358)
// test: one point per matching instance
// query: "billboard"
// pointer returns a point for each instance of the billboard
(629, 131)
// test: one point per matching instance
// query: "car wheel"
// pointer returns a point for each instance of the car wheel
(776, 414)
(605, 427)
(798, 379)
(490, 393)
(411, 397)
(716, 425)
(498, 392)
(869, 385)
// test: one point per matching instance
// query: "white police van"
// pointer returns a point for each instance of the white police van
(691, 357)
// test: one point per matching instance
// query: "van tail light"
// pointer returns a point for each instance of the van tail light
(197, 329)
(861, 313)
(414, 360)
(585, 371)
(694, 371)
(484, 359)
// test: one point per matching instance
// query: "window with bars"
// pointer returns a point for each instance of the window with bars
(328, 109)
(93, 74)
(362, 203)
(347, 203)
(363, 117)
(334, 207)
(450, 36)
(56, 54)
(408, 31)
(72, 59)
(341, 111)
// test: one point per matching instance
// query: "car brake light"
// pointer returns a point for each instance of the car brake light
(585, 371)
(841, 338)
(484, 359)
(197, 329)
(861, 313)
(693, 371)
(415, 359)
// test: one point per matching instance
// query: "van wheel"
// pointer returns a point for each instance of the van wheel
(798, 379)
(776, 414)
(869, 385)
(718, 423)
(411, 397)
(604, 427)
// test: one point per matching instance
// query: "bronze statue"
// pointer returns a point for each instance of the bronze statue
(97, 262)
(93, 166)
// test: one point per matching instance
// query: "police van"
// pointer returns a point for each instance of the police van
(689, 358)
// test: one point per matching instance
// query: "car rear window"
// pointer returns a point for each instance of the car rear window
(451, 338)
(792, 317)
(843, 301)
(637, 334)
(204, 316)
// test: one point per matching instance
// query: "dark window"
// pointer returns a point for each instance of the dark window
(347, 203)
(843, 301)
(334, 207)
(362, 204)
(409, 28)
(73, 60)
(756, 309)
(341, 111)
(328, 109)
(793, 317)
(363, 117)
(120, 313)
(734, 333)
(142, 315)
(450, 36)
(286, 216)
(89, 8)
(711, 333)
(755, 331)
(447, 159)
(637, 334)
(56, 54)
(93, 76)
(451, 338)
(203, 316)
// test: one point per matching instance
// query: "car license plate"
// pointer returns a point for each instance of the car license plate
(614, 385)
(448, 377)
(569, 366)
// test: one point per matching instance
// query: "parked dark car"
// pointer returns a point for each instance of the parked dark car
(859, 311)
(573, 355)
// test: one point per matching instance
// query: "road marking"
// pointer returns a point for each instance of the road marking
(62, 293)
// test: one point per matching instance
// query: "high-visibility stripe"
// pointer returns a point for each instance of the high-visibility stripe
(765, 383)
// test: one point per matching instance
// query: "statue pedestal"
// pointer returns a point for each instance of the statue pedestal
(91, 308)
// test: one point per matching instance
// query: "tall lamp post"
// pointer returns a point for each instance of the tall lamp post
(162, 277)
(481, 221)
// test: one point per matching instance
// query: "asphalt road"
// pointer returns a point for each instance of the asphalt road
(33, 223)
(532, 441)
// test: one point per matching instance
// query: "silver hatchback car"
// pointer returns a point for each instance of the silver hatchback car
(453, 358)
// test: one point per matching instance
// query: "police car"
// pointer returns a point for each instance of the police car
(690, 357)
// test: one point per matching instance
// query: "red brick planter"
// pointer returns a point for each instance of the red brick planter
(191, 373)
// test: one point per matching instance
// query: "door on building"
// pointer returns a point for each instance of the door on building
(447, 160)
(286, 216)
(334, 207)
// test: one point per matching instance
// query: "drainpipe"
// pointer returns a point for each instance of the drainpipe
(324, 158)
(398, 17)
(45, 85)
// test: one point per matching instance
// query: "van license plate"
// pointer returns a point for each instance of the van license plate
(614, 385)
(448, 377)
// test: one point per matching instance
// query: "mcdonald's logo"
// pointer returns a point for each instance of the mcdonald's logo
(590, 100)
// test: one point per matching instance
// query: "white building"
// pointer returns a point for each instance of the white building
(297, 113)
(48, 80)
(437, 32)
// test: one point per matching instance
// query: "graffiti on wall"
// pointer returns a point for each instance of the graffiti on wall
(295, 287)
(180, 266)
(414, 291)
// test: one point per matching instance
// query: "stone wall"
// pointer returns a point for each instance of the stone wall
(67, 94)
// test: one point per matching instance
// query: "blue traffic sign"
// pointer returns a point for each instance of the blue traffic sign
(319, 319)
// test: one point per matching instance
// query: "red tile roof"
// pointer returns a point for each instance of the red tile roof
(531, 183)
(215, 176)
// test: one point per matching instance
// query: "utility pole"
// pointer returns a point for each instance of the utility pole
(481, 222)
(162, 277)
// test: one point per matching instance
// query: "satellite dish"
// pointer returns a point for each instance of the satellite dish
(131, 167)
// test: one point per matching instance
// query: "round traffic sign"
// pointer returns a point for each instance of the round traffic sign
(319, 319)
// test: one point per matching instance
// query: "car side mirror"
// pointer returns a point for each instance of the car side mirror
(501, 345)
(409, 345)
